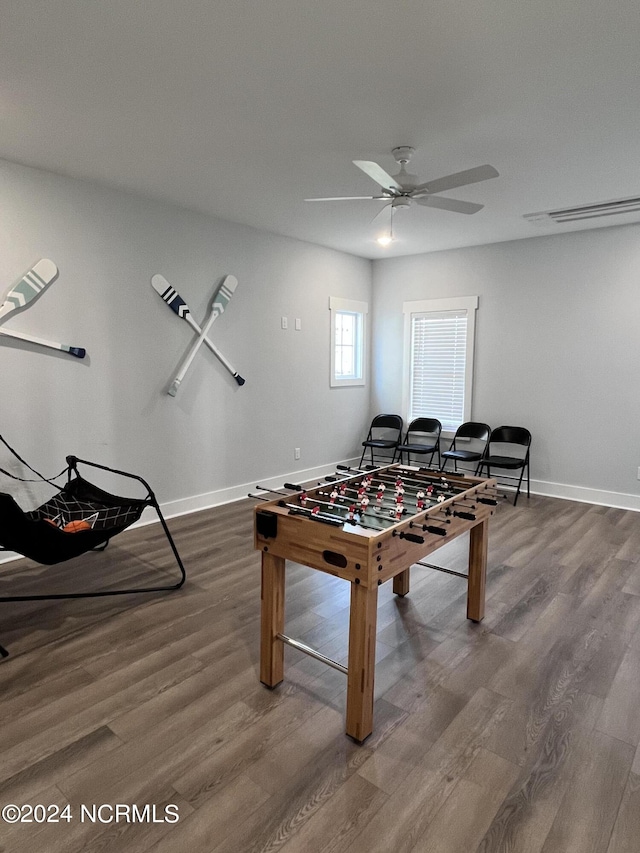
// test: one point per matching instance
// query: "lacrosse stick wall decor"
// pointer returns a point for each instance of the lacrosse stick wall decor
(25, 291)
(219, 301)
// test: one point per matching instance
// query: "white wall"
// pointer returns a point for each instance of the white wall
(112, 407)
(557, 349)
(557, 344)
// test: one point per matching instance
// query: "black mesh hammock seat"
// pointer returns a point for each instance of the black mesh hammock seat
(39, 534)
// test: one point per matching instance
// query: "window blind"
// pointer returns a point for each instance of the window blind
(438, 363)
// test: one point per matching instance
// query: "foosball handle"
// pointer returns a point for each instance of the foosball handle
(468, 516)
(439, 531)
(411, 537)
(294, 487)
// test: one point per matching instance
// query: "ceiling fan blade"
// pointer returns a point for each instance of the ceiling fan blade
(378, 174)
(352, 198)
(453, 204)
(458, 179)
(381, 211)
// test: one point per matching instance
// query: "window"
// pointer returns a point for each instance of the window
(439, 342)
(347, 341)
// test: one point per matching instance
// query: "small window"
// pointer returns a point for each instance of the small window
(348, 322)
(439, 343)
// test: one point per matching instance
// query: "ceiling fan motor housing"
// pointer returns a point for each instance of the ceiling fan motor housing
(403, 153)
(401, 202)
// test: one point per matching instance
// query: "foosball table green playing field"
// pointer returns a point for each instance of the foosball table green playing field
(366, 527)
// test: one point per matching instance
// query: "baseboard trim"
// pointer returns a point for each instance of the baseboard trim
(582, 494)
(186, 506)
(209, 500)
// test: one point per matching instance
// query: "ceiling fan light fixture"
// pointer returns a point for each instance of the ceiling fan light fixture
(384, 240)
(401, 203)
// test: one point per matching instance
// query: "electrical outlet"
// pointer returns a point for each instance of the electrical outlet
(296, 453)
(639, 473)
(285, 323)
(298, 324)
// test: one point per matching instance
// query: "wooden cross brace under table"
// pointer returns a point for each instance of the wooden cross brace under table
(367, 558)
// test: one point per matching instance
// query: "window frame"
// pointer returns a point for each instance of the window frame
(337, 305)
(469, 304)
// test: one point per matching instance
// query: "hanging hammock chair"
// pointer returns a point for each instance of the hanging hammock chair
(80, 517)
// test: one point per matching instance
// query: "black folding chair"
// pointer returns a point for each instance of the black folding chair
(469, 444)
(385, 433)
(422, 438)
(509, 449)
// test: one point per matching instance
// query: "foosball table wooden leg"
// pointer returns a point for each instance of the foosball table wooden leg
(478, 547)
(272, 620)
(401, 583)
(362, 661)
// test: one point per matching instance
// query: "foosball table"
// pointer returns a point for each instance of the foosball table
(367, 527)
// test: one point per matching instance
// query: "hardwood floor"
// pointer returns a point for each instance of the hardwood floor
(516, 735)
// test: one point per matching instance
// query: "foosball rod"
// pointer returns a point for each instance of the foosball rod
(385, 477)
(334, 505)
(482, 494)
(370, 511)
(413, 500)
(371, 468)
(435, 512)
(335, 519)
(387, 496)
(327, 518)
(388, 478)
(414, 477)
(490, 492)
(309, 497)
(449, 509)
(270, 490)
(390, 504)
(419, 477)
(436, 476)
(315, 490)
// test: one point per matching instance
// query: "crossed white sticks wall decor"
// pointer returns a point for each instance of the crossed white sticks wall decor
(32, 283)
(219, 301)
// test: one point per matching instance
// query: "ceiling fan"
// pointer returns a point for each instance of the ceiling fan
(401, 190)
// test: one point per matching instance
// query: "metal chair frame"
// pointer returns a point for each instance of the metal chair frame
(469, 429)
(387, 422)
(427, 426)
(509, 435)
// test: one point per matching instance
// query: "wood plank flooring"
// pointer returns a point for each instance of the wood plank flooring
(517, 735)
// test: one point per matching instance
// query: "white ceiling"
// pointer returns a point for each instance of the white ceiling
(243, 109)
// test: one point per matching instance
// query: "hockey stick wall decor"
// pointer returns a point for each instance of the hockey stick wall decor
(25, 291)
(219, 301)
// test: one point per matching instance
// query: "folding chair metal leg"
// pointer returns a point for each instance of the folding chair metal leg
(520, 482)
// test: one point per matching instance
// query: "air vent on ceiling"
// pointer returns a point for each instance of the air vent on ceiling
(586, 211)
